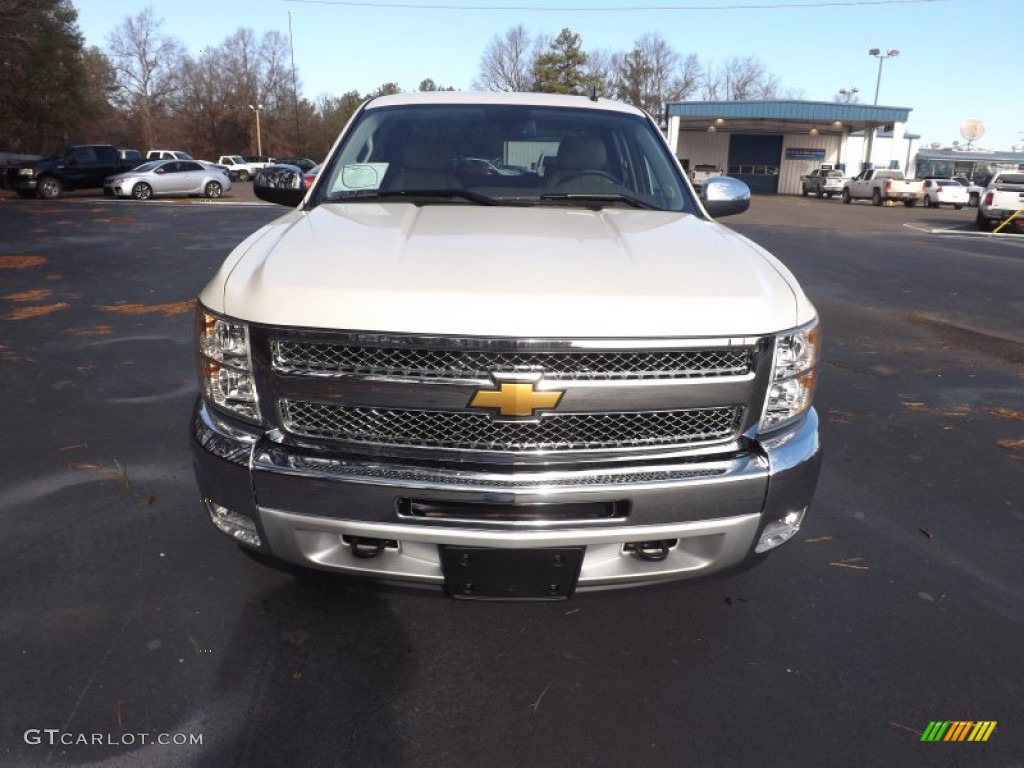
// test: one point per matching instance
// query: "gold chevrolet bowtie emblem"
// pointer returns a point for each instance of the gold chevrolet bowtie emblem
(515, 399)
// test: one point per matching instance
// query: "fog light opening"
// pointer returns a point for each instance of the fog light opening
(779, 532)
(239, 527)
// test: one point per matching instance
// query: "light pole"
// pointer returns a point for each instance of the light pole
(847, 95)
(259, 140)
(877, 53)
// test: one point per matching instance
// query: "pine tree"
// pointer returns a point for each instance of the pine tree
(562, 68)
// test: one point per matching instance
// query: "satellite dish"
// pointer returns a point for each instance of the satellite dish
(972, 129)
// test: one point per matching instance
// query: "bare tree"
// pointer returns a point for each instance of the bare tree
(600, 73)
(653, 74)
(689, 78)
(507, 62)
(145, 66)
(258, 74)
(738, 79)
(742, 77)
(211, 122)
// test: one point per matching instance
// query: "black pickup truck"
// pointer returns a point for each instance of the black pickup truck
(81, 166)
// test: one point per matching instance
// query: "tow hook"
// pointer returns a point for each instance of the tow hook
(651, 550)
(364, 547)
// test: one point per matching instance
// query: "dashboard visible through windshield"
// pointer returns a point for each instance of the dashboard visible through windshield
(505, 155)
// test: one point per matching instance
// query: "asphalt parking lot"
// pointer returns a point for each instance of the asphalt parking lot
(128, 618)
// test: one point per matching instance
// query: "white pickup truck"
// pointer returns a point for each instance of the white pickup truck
(1002, 201)
(823, 182)
(506, 385)
(702, 172)
(239, 168)
(880, 185)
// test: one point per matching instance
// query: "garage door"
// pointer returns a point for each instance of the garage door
(755, 159)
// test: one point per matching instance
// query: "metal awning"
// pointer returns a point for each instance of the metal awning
(783, 116)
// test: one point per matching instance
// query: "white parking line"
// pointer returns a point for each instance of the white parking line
(167, 201)
(1006, 236)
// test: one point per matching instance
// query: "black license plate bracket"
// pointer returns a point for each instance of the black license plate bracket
(482, 573)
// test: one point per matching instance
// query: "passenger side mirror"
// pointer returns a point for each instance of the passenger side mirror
(724, 196)
(280, 184)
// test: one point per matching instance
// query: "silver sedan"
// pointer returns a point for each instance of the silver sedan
(168, 177)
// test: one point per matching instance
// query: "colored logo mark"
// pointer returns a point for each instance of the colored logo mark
(515, 399)
(958, 730)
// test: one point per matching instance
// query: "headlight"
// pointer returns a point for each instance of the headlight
(794, 373)
(26, 172)
(225, 370)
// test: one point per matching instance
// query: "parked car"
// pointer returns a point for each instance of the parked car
(168, 154)
(130, 156)
(80, 166)
(974, 191)
(880, 185)
(1003, 203)
(310, 176)
(168, 177)
(478, 166)
(304, 164)
(945, 192)
(702, 172)
(823, 182)
(237, 168)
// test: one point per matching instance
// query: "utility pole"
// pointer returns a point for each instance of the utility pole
(299, 148)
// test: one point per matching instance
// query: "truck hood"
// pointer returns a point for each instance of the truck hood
(500, 271)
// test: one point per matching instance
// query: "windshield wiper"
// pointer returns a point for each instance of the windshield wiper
(414, 195)
(601, 198)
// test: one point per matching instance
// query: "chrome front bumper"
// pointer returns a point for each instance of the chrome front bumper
(308, 509)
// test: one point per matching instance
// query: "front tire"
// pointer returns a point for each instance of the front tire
(213, 189)
(243, 175)
(846, 196)
(49, 188)
(974, 199)
(912, 203)
(142, 191)
(957, 207)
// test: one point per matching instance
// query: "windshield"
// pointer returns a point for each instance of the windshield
(505, 155)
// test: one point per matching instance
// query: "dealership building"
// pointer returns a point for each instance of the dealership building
(771, 144)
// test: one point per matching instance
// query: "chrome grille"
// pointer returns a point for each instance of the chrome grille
(304, 358)
(409, 475)
(471, 431)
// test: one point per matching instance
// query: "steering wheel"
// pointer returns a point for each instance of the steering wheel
(588, 172)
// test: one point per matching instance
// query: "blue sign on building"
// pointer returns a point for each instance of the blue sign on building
(805, 153)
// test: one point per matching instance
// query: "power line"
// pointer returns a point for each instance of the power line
(771, 6)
